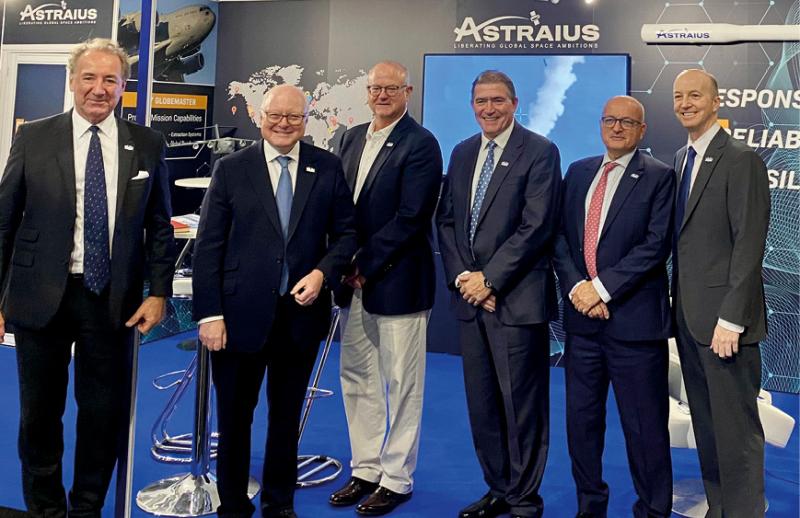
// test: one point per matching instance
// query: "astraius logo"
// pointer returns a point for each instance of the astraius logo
(683, 33)
(56, 14)
(524, 32)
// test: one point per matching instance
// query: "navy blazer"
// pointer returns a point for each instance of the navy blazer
(518, 220)
(37, 220)
(240, 248)
(632, 249)
(393, 218)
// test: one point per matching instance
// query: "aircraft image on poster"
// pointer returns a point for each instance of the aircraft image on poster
(178, 36)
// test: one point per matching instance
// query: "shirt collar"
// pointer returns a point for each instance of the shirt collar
(270, 153)
(501, 140)
(383, 132)
(81, 125)
(701, 144)
(623, 161)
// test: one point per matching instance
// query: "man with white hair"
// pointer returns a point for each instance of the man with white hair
(276, 232)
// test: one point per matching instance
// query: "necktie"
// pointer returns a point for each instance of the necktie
(283, 197)
(680, 206)
(483, 184)
(683, 192)
(591, 231)
(96, 258)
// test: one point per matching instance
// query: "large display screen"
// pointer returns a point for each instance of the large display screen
(560, 96)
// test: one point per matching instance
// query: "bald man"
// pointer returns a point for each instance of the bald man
(394, 169)
(611, 254)
(721, 219)
(276, 232)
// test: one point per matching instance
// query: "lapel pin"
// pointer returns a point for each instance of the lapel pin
(504, 163)
(709, 159)
(128, 147)
(310, 169)
(389, 144)
(634, 175)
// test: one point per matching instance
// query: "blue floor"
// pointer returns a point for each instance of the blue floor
(448, 476)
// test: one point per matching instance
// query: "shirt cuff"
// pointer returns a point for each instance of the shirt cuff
(730, 326)
(209, 319)
(601, 290)
(457, 282)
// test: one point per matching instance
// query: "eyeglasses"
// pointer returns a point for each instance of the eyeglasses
(295, 119)
(626, 123)
(390, 90)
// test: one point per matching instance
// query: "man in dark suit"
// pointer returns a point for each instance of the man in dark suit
(497, 217)
(84, 220)
(394, 168)
(276, 229)
(721, 219)
(610, 257)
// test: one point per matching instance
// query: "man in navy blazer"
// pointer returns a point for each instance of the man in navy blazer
(497, 217)
(610, 258)
(394, 168)
(276, 228)
(58, 228)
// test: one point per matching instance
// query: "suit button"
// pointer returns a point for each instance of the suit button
(279, 260)
(274, 291)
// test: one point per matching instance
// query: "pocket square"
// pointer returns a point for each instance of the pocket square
(141, 176)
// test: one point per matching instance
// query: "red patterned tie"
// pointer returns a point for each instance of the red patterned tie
(592, 229)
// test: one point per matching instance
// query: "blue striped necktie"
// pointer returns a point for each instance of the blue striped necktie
(96, 255)
(480, 192)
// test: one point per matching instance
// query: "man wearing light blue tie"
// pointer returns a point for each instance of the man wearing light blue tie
(496, 219)
(276, 233)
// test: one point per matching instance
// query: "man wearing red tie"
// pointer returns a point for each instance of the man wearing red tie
(610, 257)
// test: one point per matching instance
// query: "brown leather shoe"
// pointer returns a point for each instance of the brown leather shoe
(352, 492)
(382, 501)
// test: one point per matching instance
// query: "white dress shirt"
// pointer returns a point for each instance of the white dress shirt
(502, 141)
(374, 141)
(700, 147)
(274, 167)
(614, 177)
(109, 144)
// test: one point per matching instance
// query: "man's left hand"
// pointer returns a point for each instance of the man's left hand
(585, 297)
(356, 280)
(725, 343)
(307, 289)
(149, 314)
(473, 288)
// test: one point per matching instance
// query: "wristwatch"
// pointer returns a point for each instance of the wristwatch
(488, 283)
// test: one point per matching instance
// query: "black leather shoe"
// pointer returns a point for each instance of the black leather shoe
(584, 514)
(382, 501)
(487, 507)
(352, 492)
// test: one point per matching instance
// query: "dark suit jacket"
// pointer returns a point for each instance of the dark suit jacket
(631, 252)
(240, 247)
(37, 219)
(393, 218)
(518, 220)
(721, 241)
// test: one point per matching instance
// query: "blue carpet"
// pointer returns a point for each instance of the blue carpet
(448, 476)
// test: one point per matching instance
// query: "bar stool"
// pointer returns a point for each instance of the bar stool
(194, 493)
(313, 470)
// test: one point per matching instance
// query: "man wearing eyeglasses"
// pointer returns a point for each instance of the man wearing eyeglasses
(497, 217)
(610, 257)
(276, 233)
(394, 169)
